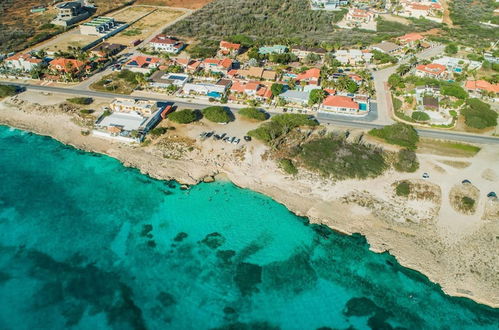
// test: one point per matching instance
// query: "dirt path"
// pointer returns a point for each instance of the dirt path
(446, 18)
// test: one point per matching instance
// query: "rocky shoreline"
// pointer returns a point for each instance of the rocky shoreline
(411, 228)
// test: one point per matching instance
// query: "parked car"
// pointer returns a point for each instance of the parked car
(426, 175)
(247, 138)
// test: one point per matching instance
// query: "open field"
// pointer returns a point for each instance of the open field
(446, 148)
(144, 27)
(70, 39)
(189, 4)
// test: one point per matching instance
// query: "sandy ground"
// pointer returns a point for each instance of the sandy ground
(455, 250)
(189, 4)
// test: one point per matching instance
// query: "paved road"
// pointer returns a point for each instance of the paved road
(348, 123)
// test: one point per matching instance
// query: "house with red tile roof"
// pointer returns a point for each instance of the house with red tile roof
(164, 43)
(228, 48)
(429, 9)
(264, 93)
(432, 70)
(249, 88)
(142, 64)
(23, 62)
(218, 65)
(358, 105)
(311, 76)
(65, 65)
(411, 39)
(475, 86)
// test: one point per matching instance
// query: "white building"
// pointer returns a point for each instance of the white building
(358, 105)
(164, 43)
(203, 88)
(458, 64)
(353, 56)
(161, 79)
(143, 107)
(23, 62)
(98, 26)
(327, 4)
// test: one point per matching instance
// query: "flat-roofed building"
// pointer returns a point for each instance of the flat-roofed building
(144, 107)
(98, 26)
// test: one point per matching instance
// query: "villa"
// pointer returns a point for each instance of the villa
(411, 39)
(145, 108)
(302, 52)
(142, 64)
(228, 48)
(64, 65)
(295, 97)
(432, 70)
(211, 90)
(311, 76)
(358, 105)
(164, 43)
(476, 86)
(353, 56)
(70, 13)
(327, 4)
(249, 88)
(386, 47)
(106, 49)
(218, 65)
(162, 79)
(23, 62)
(256, 73)
(276, 49)
(458, 64)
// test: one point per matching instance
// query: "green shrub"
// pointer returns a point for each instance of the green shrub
(397, 103)
(407, 161)
(337, 158)
(7, 90)
(478, 114)
(400, 134)
(287, 166)
(403, 189)
(81, 100)
(217, 114)
(420, 116)
(454, 90)
(253, 113)
(86, 111)
(129, 76)
(158, 131)
(467, 203)
(279, 125)
(185, 116)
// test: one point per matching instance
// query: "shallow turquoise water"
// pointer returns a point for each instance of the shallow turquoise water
(86, 243)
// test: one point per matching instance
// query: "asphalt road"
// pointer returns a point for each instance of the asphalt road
(347, 123)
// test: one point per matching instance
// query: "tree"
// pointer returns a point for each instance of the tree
(451, 49)
(394, 80)
(253, 113)
(420, 116)
(217, 114)
(277, 89)
(454, 90)
(7, 90)
(400, 134)
(185, 116)
(316, 96)
(407, 161)
(478, 114)
(312, 58)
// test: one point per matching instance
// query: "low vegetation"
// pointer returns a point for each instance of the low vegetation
(254, 113)
(420, 116)
(287, 166)
(7, 90)
(406, 161)
(447, 148)
(158, 131)
(403, 189)
(399, 134)
(478, 114)
(81, 100)
(217, 114)
(280, 125)
(334, 157)
(124, 82)
(185, 116)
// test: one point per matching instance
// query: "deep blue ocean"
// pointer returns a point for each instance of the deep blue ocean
(86, 243)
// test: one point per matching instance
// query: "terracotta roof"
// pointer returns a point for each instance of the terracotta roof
(252, 85)
(330, 91)
(355, 77)
(432, 68)
(229, 45)
(237, 86)
(418, 6)
(66, 65)
(340, 102)
(313, 73)
(143, 61)
(25, 57)
(482, 85)
(269, 75)
(226, 63)
(264, 92)
(411, 37)
(164, 39)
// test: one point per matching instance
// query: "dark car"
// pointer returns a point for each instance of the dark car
(466, 181)
(247, 138)
(491, 194)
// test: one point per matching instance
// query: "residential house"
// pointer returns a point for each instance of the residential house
(302, 51)
(162, 79)
(356, 16)
(218, 65)
(431, 10)
(228, 48)
(164, 43)
(264, 93)
(327, 4)
(142, 64)
(491, 58)
(311, 76)
(106, 49)
(386, 47)
(432, 70)
(411, 39)
(23, 62)
(68, 66)
(353, 56)
(477, 86)
(143, 107)
(70, 13)
(457, 65)
(190, 66)
(211, 90)
(357, 105)
(276, 49)
(249, 88)
(295, 97)
(256, 73)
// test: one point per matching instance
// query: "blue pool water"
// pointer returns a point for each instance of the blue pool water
(86, 243)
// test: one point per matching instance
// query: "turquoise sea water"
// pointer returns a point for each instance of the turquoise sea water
(86, 243)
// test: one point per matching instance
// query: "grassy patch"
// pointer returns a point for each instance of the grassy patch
(279, 125)
(132, 32)
(81, 100)
(121, 83)
(399, 134)
(447, 148)
(403, 189)
(287, 166)
(254, 113)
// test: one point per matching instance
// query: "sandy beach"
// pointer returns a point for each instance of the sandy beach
(424, 232)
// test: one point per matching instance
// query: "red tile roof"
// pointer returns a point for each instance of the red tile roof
(66, 65)
(141, 61)
(229, 45)
(432, 68)
(237, 86)
(310, 74)
(165, 40)
(264, 92)
(25, 57)
(340, 102)
(482, 85)
(226, 63)
(411, 37)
